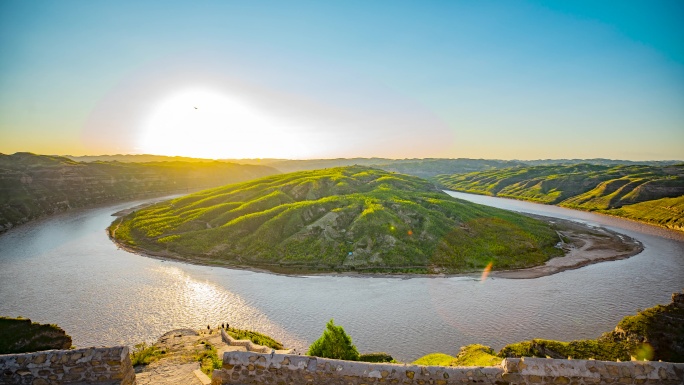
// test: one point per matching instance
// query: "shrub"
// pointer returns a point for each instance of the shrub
(377, 357)
(334, 343)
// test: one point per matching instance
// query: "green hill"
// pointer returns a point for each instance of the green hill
(633, 191)
(32, 186)
(348, 218)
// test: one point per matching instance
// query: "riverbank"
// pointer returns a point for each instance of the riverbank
(583, 245)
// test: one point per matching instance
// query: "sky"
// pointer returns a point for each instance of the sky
(327, 79)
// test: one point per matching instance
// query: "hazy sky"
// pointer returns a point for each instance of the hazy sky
(302, 79)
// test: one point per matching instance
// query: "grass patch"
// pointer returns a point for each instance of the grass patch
(144, 354)
(476, 355)
(257, 338)
(435, 359)
(208, 359)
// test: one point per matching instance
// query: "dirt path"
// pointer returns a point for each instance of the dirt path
(179, 361)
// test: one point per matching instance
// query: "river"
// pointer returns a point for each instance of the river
(65, 270)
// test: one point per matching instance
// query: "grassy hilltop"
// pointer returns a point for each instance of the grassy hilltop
(653, 194)
(347, 218)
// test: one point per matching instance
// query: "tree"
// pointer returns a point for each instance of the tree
(334, 343)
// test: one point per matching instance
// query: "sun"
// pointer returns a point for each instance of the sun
(208, 124)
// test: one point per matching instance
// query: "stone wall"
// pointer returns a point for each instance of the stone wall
(103, 366)
(551, 371)
(256, 368)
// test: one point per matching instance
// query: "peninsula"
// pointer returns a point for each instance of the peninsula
(346, 219)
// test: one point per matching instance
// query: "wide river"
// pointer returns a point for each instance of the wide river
(65, 270)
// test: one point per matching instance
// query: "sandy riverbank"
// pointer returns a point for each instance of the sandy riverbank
(583, 245)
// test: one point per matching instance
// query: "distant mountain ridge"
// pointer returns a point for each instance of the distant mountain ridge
(347, 218)
(653, 194)
(422, 167)
(32, 186)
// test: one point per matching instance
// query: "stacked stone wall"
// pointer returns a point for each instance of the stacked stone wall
(101, 366)
(255, 368)
(549, 371)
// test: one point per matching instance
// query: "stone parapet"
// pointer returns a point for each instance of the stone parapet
(256, 368)
(551, 371)
(103, 366)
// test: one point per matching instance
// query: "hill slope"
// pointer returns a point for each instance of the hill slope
(617, 190)
(348, 218)
(32, 185)
(656, 333)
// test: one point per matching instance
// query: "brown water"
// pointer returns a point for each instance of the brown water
(65, 270)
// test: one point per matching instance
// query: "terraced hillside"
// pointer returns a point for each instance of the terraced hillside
(646, 193)
(347, 218)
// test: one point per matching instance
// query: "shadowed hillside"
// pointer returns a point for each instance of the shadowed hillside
(20, 335)
(633, 191)
(33, 186)
(351, 218)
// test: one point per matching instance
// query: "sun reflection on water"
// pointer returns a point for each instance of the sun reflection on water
(176, 299)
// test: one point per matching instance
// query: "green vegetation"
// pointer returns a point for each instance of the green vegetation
(144, 354)
(20, 335)
(435, 359)
(32, 185)
(257, 338)
(666, 212)
(476, 355)
(208, 359)
(656, 333)
(634, 191)
(334, 343)
(470, 355)
(602, 349)
(341, 219)
(377, 357)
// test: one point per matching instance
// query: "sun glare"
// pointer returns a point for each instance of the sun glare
(208, 124)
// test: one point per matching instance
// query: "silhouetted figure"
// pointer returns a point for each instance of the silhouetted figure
(208, 327)
(222, 326)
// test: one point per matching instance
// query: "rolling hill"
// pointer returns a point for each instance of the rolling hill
(348, 218)
(32, 186)
(646, 193)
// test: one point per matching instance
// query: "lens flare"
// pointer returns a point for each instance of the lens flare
(643, 353)
(486, 271)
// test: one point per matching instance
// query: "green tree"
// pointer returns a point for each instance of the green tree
(334, 343)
